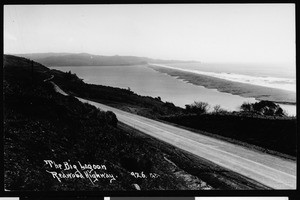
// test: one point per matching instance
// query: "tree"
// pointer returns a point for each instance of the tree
(246, 107)
(279, 112)
(264, 108)
(218, 109)
(197, 107)
(158, 98)
(68, 75)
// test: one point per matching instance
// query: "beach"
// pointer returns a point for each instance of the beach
(232, 87)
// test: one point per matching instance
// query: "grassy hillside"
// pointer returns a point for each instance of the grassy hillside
(40, 124)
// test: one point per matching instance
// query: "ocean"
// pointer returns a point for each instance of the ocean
(262, 75)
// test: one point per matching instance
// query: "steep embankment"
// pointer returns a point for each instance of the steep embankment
(40, 125)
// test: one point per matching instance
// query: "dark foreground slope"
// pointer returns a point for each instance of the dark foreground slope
(41, 125)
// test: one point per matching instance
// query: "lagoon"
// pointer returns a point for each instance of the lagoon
(146, 81)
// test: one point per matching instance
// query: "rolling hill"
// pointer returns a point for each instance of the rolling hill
(85, 59)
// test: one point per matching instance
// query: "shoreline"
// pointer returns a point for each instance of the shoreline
(235, 88)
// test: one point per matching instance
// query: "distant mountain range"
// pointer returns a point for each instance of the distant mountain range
(85, 59)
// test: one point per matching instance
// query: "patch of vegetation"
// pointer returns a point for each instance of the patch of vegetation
(269, 132)
(197, 108)
(263, 124)
(267, 108)
(218, 110)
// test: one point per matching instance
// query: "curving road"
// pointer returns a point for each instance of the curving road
(272, 171)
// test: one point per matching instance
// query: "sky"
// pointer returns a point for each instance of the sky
(219, 33)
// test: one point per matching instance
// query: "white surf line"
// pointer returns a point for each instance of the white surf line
(221, 76)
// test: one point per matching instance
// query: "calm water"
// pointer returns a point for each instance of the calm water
(148, 82)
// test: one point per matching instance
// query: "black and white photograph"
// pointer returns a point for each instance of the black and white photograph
(150, 97)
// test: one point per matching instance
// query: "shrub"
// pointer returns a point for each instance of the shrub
(169, 104)
(217, 109)
(197, 107)
(158, 98)
(68, 76)
(264, 108)
(247, 107)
